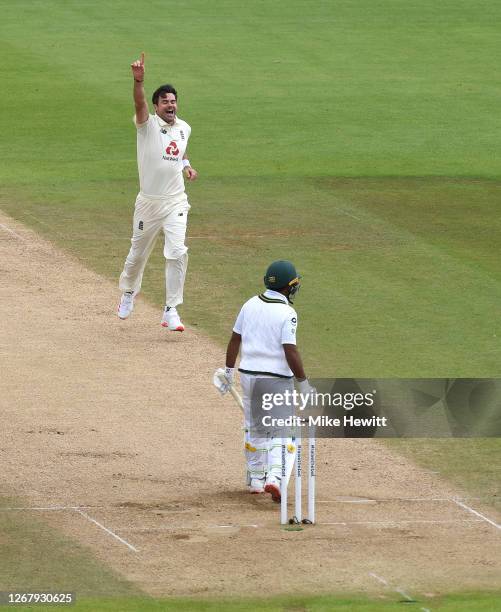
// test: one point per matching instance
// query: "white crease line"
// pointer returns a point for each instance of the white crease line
(47, 508)
(40, 222)
(107, 530)
(338, 523)
(187, 527)
(230, 526)
(404, 594)
(398, 590)
(7, 229)
(484, 518)
(406, 522)
(347, 213)
(337, 501)
(382, 580)
(176, 528)
(348, 501)
(392, 499)
(250, 236)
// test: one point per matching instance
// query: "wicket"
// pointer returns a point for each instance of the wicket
(297, 519)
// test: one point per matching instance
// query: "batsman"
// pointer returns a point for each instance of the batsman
(265, 335)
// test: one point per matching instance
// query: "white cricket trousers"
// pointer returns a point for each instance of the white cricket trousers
(263, 455)
(152, 215)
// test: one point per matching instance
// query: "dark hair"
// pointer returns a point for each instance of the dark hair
(163, 89)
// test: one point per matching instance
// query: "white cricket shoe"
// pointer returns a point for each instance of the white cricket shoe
(256, 486)
(126, 305)
(272, 486)
(171, 319)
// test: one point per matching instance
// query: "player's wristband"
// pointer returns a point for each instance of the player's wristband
(186, 162)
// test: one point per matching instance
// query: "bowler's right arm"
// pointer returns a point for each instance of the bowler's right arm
(142, 111)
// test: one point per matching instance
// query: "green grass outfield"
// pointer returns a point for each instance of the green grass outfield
(36, 557)
(360, 138)
(399, 257)
(468, 602)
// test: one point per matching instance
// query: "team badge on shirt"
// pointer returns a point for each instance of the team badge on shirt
(172, 148)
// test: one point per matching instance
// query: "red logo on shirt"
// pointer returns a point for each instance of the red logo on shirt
(172, 149)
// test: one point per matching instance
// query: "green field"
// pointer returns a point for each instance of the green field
(37, 557)
(468, 602)
(362, 142)
(359, 138)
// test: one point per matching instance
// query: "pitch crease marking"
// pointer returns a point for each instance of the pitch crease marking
(483, 517)
(7, 229)
(114, 535)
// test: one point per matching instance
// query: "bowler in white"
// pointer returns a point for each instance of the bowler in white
(162, 204)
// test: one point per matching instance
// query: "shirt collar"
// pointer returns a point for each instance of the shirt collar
(164, 124)
(276, 295)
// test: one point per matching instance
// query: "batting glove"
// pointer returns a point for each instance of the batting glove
(223, 379)
(306, 390)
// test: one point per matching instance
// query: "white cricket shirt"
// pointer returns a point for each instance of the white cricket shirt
(160, 150)
(266, 322)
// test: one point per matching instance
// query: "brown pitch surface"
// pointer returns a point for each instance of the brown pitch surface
(120, 418)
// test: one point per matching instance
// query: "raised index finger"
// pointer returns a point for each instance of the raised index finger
(142, 58)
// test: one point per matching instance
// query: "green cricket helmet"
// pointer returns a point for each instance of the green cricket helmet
(281, 275)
